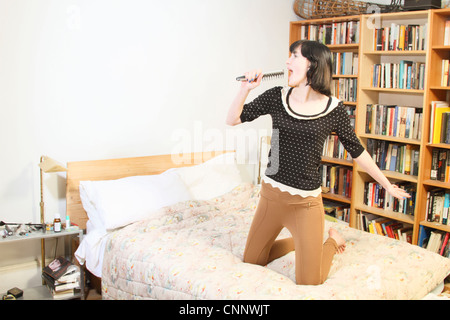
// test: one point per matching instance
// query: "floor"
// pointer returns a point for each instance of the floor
(92, 294)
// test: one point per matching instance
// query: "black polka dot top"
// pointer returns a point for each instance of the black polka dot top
(298, 140)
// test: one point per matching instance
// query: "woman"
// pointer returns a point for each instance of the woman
(303, 116)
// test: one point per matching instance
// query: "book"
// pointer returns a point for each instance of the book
(384, 226)
(447, 33)
(345, 89)
(437, 109)
(404, 75)
(444, 244)
(438, 242)
(393, 120)
(62, 278)
(399, 37)
(402, 158)
(58, 286)
(332, 33)
(60, 268)
(437, 207)
(376, 196)
(445, 73)
(337, 211)
(336, 179)
(424, 234)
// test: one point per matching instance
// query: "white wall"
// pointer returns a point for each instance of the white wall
(96, 79)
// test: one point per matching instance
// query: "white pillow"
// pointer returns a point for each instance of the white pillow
(212, 178)
(115, 203)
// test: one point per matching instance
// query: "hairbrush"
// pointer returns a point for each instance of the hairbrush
(279, 74)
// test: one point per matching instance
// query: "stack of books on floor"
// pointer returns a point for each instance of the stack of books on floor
(62, 278)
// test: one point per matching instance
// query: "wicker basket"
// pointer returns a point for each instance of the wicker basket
(315, 9)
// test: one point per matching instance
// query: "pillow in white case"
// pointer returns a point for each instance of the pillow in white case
(116, 203)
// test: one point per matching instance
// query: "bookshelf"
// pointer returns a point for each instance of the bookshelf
(341, 35)
(436, 91)
(422, 59)
(393, 80)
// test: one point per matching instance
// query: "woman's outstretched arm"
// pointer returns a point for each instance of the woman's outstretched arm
(366, 162)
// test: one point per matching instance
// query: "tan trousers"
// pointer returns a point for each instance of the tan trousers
(304, 218)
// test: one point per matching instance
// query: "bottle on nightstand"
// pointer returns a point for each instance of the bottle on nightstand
(57, 223)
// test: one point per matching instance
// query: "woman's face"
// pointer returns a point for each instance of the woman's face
(297, 66)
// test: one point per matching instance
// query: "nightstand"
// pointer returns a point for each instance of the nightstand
(42, 292)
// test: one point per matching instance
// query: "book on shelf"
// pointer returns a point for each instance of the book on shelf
(334, 33)
(440, 165)
(445, 79)
(435, 241)
(336, 179)
(62, 278)
(376, 196)
(345, 89)
(396, 157)
(399, 37)
(394, 121)
(404, 75)
(440, 122)
(437, 206)
(383, 226)
(333, 148)
(336, 210)
(345, 63)
(447, 33)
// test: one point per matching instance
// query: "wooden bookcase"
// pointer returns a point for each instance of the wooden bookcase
(434, 92)
(419, 98)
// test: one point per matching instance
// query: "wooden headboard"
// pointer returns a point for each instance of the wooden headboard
(111, 169)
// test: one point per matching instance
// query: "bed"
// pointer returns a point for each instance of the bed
(190, 244)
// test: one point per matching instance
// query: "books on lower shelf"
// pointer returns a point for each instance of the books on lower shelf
(376, 196)
(435, 241)
(62, 278)
(440, 122)
(394, 121)
(333, 148)
(336, 179)
(440, 165)
(395, 157)
(345, 89)
(338, 211)
(438, 203)
(383, 226)
(345, 63)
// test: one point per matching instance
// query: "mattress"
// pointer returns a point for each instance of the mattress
(194, 250)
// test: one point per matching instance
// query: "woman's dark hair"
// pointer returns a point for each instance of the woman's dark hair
(319, 74)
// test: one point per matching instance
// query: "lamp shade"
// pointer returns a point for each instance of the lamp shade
(48, 164)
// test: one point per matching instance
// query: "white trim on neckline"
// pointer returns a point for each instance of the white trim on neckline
(333, 105)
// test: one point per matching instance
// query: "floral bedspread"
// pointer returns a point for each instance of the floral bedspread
(194, 250)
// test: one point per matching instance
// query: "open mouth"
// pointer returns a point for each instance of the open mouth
(290, 72)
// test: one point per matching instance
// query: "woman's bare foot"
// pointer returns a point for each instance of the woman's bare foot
(340, 241)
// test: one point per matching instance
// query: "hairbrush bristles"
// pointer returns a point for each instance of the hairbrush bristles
(279, 74)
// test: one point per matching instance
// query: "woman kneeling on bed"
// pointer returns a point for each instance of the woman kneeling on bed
(303, 115)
